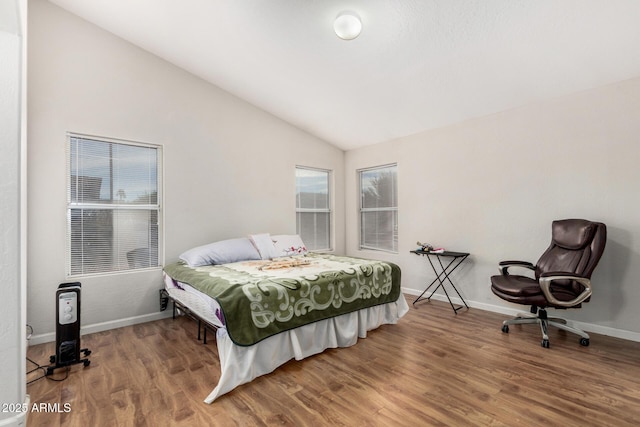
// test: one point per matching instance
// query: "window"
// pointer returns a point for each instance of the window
(313, 214)
(379, 208)
(113, 212)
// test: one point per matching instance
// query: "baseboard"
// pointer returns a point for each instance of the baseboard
(104, 326)
(587, 327)
(20, 417)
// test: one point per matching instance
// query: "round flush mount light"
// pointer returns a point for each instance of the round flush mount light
(347, 25)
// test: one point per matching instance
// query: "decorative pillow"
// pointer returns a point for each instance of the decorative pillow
(221, 252)
(264, 245)
(289, 244)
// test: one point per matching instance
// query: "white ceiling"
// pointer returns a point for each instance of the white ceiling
(418, 64)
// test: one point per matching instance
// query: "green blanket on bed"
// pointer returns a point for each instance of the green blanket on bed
(262, 298)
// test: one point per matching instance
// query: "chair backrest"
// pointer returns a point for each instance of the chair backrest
(576, 247)
(139, 258)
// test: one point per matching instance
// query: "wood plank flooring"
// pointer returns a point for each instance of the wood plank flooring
(432, 368)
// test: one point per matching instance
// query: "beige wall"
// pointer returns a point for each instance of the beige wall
(229, 168)
(492, 186)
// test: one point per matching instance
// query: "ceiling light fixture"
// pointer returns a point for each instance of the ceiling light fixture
(347, 25)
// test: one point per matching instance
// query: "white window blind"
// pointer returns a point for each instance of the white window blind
(313, 213)
(379, 208)
(113, 212)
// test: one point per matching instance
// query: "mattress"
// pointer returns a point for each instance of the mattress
(261, 298)
(240, 364)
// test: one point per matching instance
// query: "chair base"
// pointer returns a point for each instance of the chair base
(540, 317)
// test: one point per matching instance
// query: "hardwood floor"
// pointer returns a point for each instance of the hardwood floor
(432, 368)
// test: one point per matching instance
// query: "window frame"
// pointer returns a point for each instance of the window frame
(363, 210)
(114, 207)
(328, 210)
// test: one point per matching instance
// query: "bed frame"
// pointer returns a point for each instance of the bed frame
(177, 306)
(241, 364)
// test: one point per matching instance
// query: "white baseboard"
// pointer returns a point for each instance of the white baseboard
(587, 327)
(104, 326)
(20, 417)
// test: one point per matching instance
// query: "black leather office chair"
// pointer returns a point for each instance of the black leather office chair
(562, 276)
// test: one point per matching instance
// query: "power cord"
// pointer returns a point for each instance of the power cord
(45, 368)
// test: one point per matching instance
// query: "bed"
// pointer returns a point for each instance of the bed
(270, 301)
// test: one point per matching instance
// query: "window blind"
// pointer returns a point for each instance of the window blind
(379, 208)
(313, 213)
(113, 205)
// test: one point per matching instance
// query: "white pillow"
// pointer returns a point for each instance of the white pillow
(264, 245)
(288, 245)
(222, 252)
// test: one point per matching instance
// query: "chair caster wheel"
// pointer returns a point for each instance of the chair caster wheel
(505, 329)
(545, 343)
(52, 359)
(584, 342)
(86, 363)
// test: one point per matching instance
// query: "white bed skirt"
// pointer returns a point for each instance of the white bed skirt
(240, 365)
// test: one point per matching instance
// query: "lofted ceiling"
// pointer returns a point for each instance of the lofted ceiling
(417, 65)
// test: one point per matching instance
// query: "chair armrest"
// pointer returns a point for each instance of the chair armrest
(504, 266)
(545, 284)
